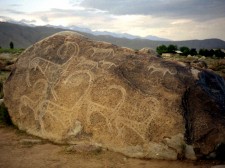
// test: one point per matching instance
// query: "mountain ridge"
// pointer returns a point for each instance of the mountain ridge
(117, 35)
(24, 36)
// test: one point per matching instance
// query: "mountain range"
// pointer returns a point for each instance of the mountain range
(117, 35)
(23, 36)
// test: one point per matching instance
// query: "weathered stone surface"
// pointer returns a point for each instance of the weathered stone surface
(83, 148)
(69, 89)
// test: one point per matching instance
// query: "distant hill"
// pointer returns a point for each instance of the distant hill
(117, 35)
(24, 36)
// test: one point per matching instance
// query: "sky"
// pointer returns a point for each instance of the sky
(171, 19)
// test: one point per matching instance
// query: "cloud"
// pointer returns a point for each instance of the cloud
(22, 21)
(5, 19)
(75, 2)
(91, 18)
(14, 11)
(44, 18)
(78, 11)
(172, 19)
(188, 9)
(27, 21)
(15, 5)
(181, 21)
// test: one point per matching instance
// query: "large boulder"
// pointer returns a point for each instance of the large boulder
(69, 89)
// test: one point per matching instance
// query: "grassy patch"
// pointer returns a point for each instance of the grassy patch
(3, 76)
(11, 51)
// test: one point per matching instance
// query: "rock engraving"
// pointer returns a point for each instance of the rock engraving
(69, 89)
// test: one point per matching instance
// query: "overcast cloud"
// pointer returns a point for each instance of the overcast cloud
(172, 19)
(188, 9)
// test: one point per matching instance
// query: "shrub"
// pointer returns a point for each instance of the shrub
(193, 52)
(185, 50)
(171, 48)
(217, 65)
(11, 45)
(4, 115)
(161, 49)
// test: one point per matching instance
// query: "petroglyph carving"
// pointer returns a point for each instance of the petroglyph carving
(157, 70)
(78, 82)
(112, 113)
(68, 49)
(51, 70)
(107, 64)
(102, 52)
(112, 117)
(77, 79)
(154, 69)
(139, 125)
(26, 101)
(105, 95)
(86, 64)
(39, 108)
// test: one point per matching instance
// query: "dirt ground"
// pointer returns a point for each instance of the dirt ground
(16, 152)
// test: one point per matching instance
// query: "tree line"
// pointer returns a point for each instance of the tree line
(187, 51)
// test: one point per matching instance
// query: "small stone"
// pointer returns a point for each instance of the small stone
(189, 152)
(1, 101)
(202, 58)
(211, 155)
(30, 141)
(77, 129)
(84, 148)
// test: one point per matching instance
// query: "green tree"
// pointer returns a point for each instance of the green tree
(171, 48)
(219, 53)
(161, 49)
(185, 50)
(212, 53)
(205, 52)
(11, 45)
(193, 52)
(202, 52)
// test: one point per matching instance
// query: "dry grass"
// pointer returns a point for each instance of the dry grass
(215, 64)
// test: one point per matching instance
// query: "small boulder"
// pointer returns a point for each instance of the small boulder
(30, 141)
(1, 101)
(199, 64)
(84, 148)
